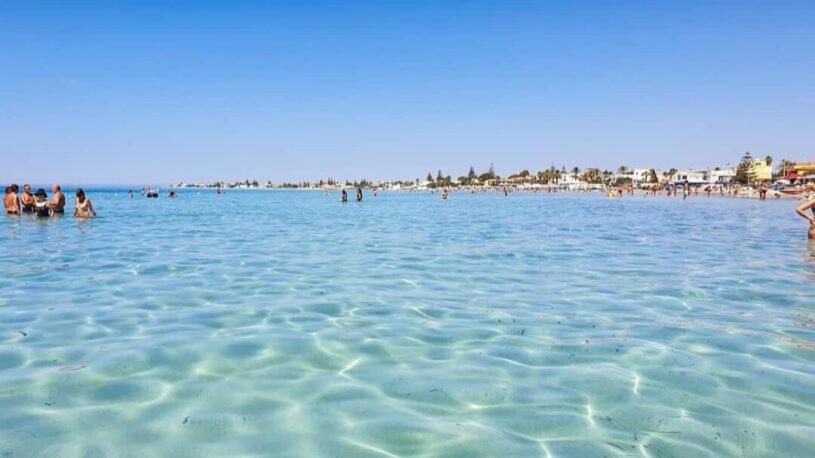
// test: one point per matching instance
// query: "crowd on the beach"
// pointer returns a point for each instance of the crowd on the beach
(38, 204)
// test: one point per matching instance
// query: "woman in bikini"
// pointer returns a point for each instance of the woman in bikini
(84, 207)
(11, 202)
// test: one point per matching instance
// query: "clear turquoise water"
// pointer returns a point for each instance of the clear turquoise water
(285, 323)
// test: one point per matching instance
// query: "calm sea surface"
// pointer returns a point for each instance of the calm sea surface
(285, 323)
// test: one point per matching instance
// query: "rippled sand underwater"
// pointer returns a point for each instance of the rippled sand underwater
(285, 323)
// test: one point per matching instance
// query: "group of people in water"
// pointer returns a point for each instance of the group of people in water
(344, 195)
(38, 204)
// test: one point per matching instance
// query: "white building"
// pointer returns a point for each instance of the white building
(721, 175)
(692, 177)
(569, 181)
(638, 177)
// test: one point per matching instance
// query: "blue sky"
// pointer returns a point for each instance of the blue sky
(136, 92)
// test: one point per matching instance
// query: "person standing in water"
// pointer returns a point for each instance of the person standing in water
(802, 210)
(83, 207)
(11, 202)
(359, 194)
(344, 198)
(27, 199)
(762, 191)
(58, 202)
(41, 204)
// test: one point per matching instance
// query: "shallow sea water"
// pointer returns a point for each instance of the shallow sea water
(285, 323)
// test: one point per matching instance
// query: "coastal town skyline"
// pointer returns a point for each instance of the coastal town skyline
(748, 167)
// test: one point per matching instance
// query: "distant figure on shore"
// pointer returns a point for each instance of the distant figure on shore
(83, 207)
(802, 210)
(27, 199)
(41, 204)
(762, 191)
(58, 202)
(359, 194)
(11, 202)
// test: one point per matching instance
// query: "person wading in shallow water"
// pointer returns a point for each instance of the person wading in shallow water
(41, 205)
(344, 197)
(11, 202)
(83, 207)
(359, 194)
(27, 199)
(802, 210)
(58, 202)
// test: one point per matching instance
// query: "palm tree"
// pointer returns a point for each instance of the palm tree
(575, 172)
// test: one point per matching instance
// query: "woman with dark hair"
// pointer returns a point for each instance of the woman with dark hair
(10, 202)
(41, 207)
(83, 207)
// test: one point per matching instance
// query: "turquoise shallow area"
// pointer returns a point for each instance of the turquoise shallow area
(285, 323)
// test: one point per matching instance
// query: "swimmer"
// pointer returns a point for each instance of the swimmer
(802, 210)
(11, 202)
(58, 202)
(173, 195)
(83, 207)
